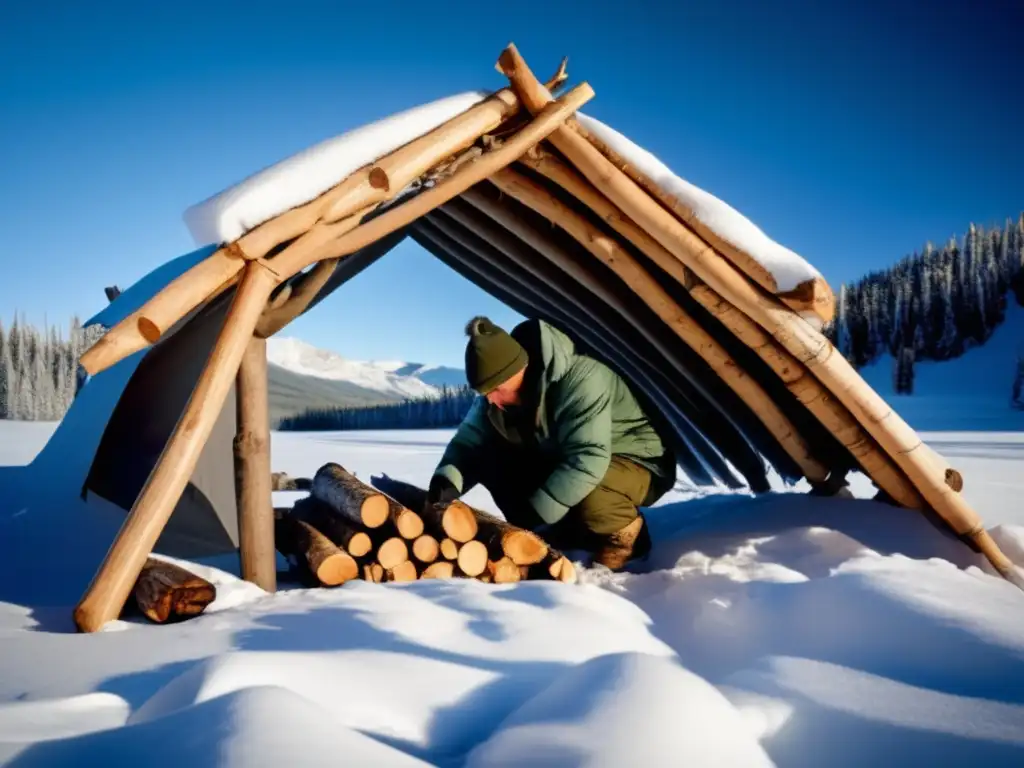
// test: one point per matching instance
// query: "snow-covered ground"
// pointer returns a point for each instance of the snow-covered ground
(785, 630)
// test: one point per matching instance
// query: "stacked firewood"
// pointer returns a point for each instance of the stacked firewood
(346, 529)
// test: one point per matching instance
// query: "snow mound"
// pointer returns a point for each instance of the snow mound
(304, 359)
(858, 718)
(259, 725)
(623, 709)
(28, 721)
(788, 268)
(298, 179)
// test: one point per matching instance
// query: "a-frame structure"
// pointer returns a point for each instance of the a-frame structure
(556, 216)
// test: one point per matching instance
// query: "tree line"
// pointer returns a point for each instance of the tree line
(932, 305)
(39, 372)
(441, 412)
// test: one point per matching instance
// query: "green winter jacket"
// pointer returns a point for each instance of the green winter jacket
(581, 413)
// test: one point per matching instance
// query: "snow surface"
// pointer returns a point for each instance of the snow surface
(299, 178)
(303, 358)
(970, 392)
(786, 629)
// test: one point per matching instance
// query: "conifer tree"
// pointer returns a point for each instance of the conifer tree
(5, 373)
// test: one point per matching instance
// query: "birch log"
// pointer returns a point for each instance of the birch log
(252, 469)
(622, 263)
(166, 592)
(921, 464)
(346, 495)
(106, 595)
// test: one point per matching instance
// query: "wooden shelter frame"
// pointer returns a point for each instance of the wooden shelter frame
(515, 136)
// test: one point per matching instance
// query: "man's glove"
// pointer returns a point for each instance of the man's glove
(441, 490)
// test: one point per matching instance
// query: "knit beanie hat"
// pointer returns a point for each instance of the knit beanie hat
(492, 355)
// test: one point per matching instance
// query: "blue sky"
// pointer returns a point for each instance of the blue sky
(851, 132)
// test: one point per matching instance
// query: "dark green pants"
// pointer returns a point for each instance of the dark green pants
(612, 505)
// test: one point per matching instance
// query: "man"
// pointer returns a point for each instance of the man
(559, 441)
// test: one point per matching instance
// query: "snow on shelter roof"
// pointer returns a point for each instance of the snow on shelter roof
(297, 179)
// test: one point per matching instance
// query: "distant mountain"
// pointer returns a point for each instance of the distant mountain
(385, 378)
(434, 375)
(290, 394)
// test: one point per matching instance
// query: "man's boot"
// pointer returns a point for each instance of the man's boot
(628, 543)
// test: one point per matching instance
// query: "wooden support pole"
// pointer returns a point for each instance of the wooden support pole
(622, 263)
(106, 595)
(925, 468)
(252, 469)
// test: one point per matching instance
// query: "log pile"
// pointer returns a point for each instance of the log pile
(347, 529)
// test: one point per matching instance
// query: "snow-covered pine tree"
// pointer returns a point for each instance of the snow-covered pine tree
(896, 332)
(1017, 260)
(5, 372)
(949, 343)
(843, 325)
(907, 378)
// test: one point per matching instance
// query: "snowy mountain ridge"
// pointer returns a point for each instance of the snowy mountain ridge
(390, 377)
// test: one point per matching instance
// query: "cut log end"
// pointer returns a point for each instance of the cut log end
(425, 549)
(409, 524)
(563, 570)
(360, 544)
(403, 572)
(954, 480)
(393, 552)
(379, 178)
(449, 549)
(473, 558)
(523, 547)
(459, 522)
(336, 569)
(504, 571)
(150, 331)
(439, 570)
(374, 511)
(373, 572)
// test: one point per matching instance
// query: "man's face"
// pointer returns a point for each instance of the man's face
(506, 394)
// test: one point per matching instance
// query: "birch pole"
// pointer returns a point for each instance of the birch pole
(252, 469)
